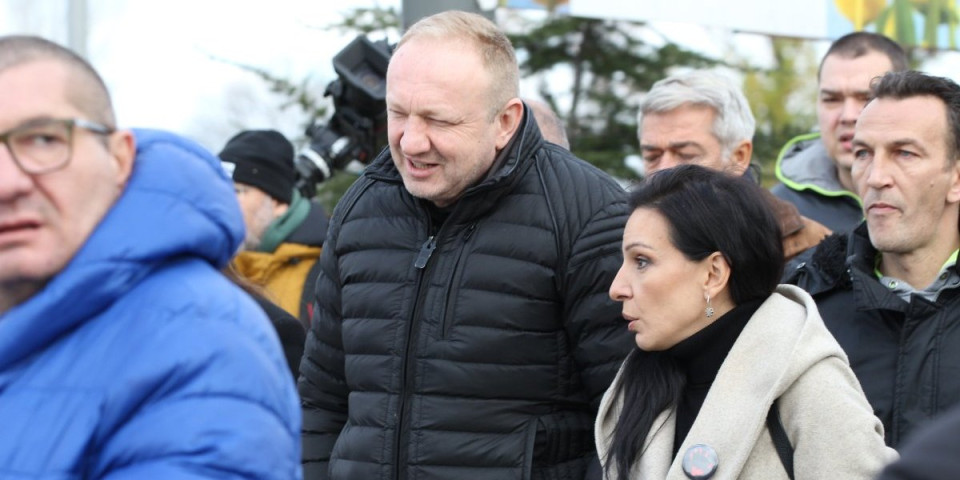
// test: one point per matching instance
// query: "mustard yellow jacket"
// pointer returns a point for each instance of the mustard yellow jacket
(283, 274)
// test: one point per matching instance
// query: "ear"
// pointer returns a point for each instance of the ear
(740, 157)
(123, 150)
(953, 194)
(507, 121)
(717, 274)
(279, 208)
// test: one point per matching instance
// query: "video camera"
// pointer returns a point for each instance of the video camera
(357, 128)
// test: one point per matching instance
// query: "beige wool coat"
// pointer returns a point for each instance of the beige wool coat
(784, 352)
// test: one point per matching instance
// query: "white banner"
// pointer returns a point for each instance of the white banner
(795, 19)
(926, 23)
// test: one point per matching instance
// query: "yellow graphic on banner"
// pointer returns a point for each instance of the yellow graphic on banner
(924, 23)
(861, 12)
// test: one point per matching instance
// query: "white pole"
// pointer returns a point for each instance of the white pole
(77, 26)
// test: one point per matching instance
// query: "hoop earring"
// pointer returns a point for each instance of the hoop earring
(709, 310)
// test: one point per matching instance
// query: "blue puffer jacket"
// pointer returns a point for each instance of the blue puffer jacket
(140, 360)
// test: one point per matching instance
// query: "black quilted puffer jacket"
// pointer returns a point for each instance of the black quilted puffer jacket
(476, 349)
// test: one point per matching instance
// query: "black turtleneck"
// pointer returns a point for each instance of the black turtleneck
(700, 357)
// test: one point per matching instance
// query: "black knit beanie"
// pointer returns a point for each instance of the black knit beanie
(262, 159)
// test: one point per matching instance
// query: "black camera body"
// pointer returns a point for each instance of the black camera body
(357, 128)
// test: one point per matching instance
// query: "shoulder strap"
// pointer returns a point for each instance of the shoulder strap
(308, 295)
(780, 441)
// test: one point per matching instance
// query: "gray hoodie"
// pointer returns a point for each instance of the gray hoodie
(808, 179)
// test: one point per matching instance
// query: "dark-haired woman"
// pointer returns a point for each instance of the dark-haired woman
(726, 360)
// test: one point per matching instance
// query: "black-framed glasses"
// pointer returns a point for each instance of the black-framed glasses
(44, 145)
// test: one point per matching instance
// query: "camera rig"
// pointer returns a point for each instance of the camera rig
(357, 128)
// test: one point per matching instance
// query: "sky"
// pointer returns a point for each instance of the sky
(159, 59)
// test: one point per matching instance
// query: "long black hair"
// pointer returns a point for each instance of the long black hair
(706, 211)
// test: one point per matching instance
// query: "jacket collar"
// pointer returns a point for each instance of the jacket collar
(861, 258)
(805, 164)
(284, 225)
(860, 252)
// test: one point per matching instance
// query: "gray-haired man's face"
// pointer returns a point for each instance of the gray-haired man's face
(682, 136)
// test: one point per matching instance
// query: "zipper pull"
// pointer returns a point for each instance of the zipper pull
(425, 251)
(469, 232)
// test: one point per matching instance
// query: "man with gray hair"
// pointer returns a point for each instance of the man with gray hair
(698, 117)
(462, 326)
(701, 118)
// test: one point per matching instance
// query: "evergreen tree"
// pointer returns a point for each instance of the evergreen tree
(315, 103)
(783, 100)
(611, 65)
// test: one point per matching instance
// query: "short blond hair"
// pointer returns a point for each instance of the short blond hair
(496, 51)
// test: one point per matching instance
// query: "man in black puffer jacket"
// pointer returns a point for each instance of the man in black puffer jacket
(463, 327)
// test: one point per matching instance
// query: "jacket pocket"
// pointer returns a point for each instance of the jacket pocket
(529, 447)
(559, 445)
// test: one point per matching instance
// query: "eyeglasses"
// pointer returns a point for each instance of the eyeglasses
(44, 145)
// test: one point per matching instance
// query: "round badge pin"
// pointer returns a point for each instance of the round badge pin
(700, 462)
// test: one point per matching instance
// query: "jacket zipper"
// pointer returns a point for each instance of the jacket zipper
(420, 263)
(454, 287)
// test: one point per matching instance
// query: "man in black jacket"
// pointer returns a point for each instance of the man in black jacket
(890, 291)
(462, 326)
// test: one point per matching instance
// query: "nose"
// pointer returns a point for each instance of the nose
(413, 137)
(14, 182)
(619, 290)
(670, 160)
(851, 110)
(878, 173)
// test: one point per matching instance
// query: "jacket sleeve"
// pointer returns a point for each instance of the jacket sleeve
(930, 453)
(833, 429)
(593, 321)
(215, 402)
(204, 436)
(322, 384)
